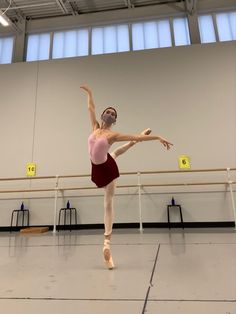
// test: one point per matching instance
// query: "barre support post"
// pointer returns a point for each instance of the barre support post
(55, 204)
(140, 202)
(232, 196)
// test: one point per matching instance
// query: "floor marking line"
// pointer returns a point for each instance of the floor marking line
(150, 281)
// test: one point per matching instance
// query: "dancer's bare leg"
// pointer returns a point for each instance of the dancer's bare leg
(108, 204)
(108, 222)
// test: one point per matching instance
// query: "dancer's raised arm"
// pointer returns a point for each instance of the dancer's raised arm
(91, 107)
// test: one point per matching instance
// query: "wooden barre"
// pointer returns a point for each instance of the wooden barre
(186, 171)
(91, 187)
(44, 177)
(75, 176)
(156, 172)
(27, 190)
(118, 186)
(27, 178)
(60, 188)
(186, 184)
(122, 173)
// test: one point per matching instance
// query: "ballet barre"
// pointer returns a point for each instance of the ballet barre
(56, 188)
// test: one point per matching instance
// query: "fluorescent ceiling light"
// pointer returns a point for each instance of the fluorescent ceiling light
(4, 19)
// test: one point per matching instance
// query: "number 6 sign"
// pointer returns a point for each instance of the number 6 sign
(184, 162)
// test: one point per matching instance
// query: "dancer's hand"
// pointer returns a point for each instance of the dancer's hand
(86, 88)
(166, 143)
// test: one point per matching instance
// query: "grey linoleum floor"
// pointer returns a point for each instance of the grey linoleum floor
(157, 272)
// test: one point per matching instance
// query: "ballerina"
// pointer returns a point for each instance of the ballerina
(104, 168)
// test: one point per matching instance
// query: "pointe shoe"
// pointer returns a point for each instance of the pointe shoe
(107, 255)
(146, 132)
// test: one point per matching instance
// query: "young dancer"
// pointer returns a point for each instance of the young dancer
(104, 168)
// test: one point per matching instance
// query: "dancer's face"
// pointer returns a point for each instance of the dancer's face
(109, 116)
(111, 112)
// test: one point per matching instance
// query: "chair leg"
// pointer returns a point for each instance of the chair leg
(168, 216)
(28, 218)
(11, 220)
(23, 216)
(75, 216)
(181, 216)
(70, 219)
(64, 219)
(59, 219)
(17, 213)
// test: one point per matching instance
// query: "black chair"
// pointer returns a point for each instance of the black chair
(21, 212)
(180, 212)
(71, 210)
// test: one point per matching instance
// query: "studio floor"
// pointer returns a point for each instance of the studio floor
(157, 272)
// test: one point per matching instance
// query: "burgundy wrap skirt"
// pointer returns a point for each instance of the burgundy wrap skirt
(105, 173)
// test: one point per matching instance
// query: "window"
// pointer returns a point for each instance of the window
(206, 28)
(70, 44)
(153, 34)
(181, 31)
(6, 49)
(150, 34)
(38, 47)
(109, 39)
(226, 25)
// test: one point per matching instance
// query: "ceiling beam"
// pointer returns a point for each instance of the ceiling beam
(129, 4)
(74, 12)
(191, 6)
(62, 6)
(29, 6)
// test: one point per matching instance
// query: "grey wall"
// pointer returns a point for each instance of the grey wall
(186, 94)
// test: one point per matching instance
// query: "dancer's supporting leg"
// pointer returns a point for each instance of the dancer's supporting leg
(108, 222)
(108, 204)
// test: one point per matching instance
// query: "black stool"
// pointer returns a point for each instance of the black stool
(180, 212)
(64, 210)
(23, 212)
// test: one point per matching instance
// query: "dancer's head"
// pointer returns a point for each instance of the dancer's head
(109, 116)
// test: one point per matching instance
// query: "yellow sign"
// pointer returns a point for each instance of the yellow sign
(184, 162)
(31, 169)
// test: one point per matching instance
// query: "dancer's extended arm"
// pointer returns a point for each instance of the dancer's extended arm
(123, 148)
(91, 107)
(118, 137)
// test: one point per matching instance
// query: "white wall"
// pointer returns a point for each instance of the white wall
(186, 94)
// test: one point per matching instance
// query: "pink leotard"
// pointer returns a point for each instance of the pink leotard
(98, 149)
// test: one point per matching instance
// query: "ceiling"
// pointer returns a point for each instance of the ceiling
(19, 10)
(39, 9)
